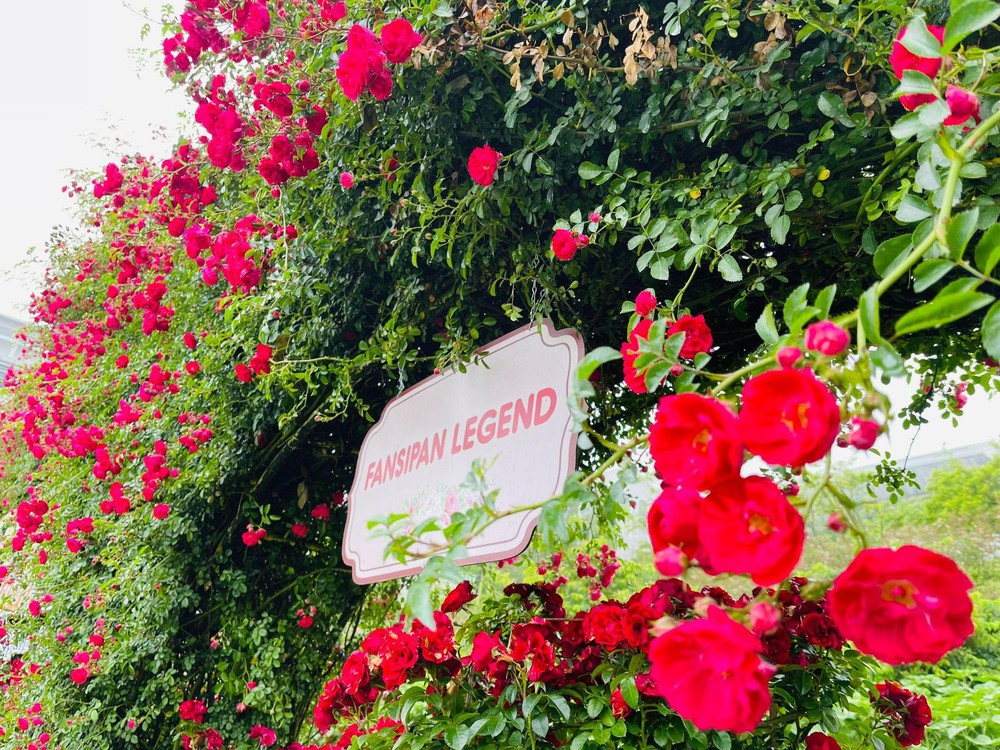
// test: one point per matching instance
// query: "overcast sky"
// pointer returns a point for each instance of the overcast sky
(84, 79)
(88, 80)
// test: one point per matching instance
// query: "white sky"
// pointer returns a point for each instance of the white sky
(81, 82)
(88, 80)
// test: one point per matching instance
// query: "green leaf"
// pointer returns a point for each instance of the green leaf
(869, 312)
(906, 127)
(656, 228)
(991, 331)
(887, 359)
(589, 170)
(418, 600)
(915, 82)
(932, 114)
(595, 359)
(721, 740)
(766, 328)
(831, 105)
(540, 725)
(824, 300)
(561, 705)
(890, 253)
(987, 253)
(928, 273)
(595, 706)
(912, 209)
(919, 40)
(729, 269)
(779, 229)
(966, 18)
(630, 692)
(530, 701)
(794, 303)
(960, 231)
(943, 309)
(613, 160)
(659, 269)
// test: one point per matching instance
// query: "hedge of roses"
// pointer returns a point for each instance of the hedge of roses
(521, 672)
(375, 190)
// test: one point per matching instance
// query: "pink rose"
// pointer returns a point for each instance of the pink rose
(827, 338)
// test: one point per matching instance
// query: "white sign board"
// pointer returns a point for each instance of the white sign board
(511, 411)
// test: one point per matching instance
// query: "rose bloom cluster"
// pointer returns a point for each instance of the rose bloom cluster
(547, 647)
(900, 606)
(363, 64)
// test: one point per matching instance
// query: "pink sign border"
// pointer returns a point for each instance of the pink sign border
(551, 337)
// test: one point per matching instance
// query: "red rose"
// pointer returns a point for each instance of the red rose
(748, 527)
(902, 605)
(243, 373)
(329, 705)
(458, 598)
(711, 673)
(192, 710)
(79, 675)
(483, 163)
(380, 85)
(399, 40)
(827, 338)
(253, 19)
(907, 712)
(673, 522)
(788, 356)
(260, 362)
(863, 434)
(603, 625)
(962, 105)
(483, 656)
(619, 708)
(334, 13)
(437, 645)
(697, 335)
(820, 741)
(912, 101)
(354, 674)
(645, 303)
(788, 417)
(352, 74)
(362, 66)
(820, 630)
(764, 618)
(902, 59)
(399, 652)
(695, 441)
(636, 623)
(564, 244)
(630, 351)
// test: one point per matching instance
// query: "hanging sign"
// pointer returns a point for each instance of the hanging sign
(510, 410)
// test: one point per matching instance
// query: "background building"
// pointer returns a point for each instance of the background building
(9, 349)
